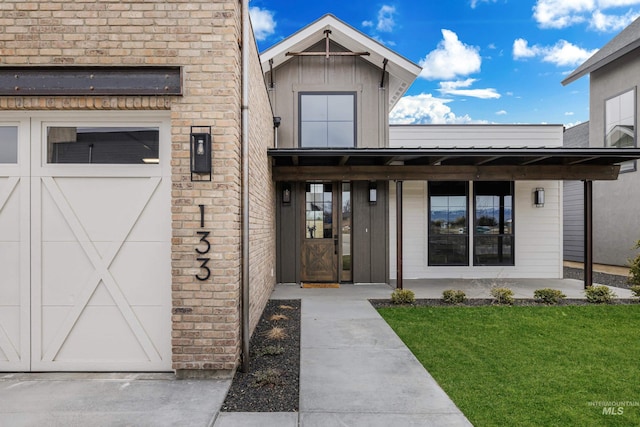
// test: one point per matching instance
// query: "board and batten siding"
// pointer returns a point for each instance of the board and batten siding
(538, 235)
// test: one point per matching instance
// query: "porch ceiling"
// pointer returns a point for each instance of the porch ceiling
(543, 163)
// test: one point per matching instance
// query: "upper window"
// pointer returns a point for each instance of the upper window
(327, 120)
(493, 218)
(620, 116)
(8, 144)
(114, 145)
(448, 224)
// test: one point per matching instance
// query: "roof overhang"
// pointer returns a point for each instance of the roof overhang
(402, 72)
(468, 164)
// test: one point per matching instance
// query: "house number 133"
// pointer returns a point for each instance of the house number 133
(204, 246)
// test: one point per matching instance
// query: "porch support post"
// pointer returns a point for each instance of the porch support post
(398, 234)
(588, 233)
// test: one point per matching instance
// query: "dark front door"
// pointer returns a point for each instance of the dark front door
(320, 241)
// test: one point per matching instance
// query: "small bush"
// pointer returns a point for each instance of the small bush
(548, 296)
(403, 296)
(599, 295)
(276, 333)
(453, 297)
(634, 267)
(636, 291)
(276, 317)
(267, 377)
(270, 350)
(502, 295)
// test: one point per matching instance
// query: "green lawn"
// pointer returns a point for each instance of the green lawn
(530, 366)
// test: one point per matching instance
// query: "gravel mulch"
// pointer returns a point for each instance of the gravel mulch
(602, 278)
(272, 383)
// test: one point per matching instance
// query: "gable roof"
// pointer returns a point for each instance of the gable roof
(622, 44)
(402, 72)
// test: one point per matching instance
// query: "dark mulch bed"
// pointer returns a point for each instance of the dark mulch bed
(272, 383)
(477, 302)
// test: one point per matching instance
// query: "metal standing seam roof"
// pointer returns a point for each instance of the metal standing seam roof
(485, 156)
(623, 43)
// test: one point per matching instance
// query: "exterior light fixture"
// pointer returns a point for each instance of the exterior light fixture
(538, 197)
(373, 192)
(200, 150)
(286, 193)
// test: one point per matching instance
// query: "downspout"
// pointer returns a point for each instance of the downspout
(246, 27)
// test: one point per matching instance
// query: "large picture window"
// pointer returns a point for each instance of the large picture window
(493, 224)
(448, 223)
(327, 120)
(620, 116)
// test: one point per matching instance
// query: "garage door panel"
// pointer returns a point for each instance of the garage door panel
(14, 272)
(54, 226)
(155, 219)
(107, 208)
(139, 276)
(65, 272)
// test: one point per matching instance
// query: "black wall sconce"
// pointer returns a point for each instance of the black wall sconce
(373, 192)
(286, 193)
(538, 197)
(200, 149)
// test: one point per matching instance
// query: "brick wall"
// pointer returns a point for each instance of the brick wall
(202, 37)
(262, 192)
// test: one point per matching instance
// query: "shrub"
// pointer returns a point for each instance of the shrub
(634, 267)
(270, 350)
(403, 296)
(502, 295)
(453, 297)
(548, 296)
(269, 377)
(599, 295)
(636, 291)
(276, 333)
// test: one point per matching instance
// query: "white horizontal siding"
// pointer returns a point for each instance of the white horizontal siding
(538, 235)
(464, 136)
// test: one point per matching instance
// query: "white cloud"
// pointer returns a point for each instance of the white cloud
(561, 54)
(263, 23)
(608, 23)
(455, 88)
(367, 23)
(501, 113)
(568, 113)
(386, 19)
(564, 13)
(450, 59)
(425, 109)
(474, 3)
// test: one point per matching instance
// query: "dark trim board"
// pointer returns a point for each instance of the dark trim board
(447, 173)
(70, 81)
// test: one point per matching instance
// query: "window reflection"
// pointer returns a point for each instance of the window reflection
(620, 124)
(448, 225)
(107, 145)
(493, 223)
(8, 144)
(318, 211)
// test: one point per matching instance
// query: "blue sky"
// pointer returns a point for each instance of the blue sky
(484, 61)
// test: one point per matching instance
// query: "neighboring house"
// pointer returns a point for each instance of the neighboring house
(614, 74)
(121, 249)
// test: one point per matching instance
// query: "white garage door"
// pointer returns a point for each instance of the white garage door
(85, 276)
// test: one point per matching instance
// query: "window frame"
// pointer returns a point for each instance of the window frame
(354, 96)
(430, 263)
(630, 166)
(512, 235)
